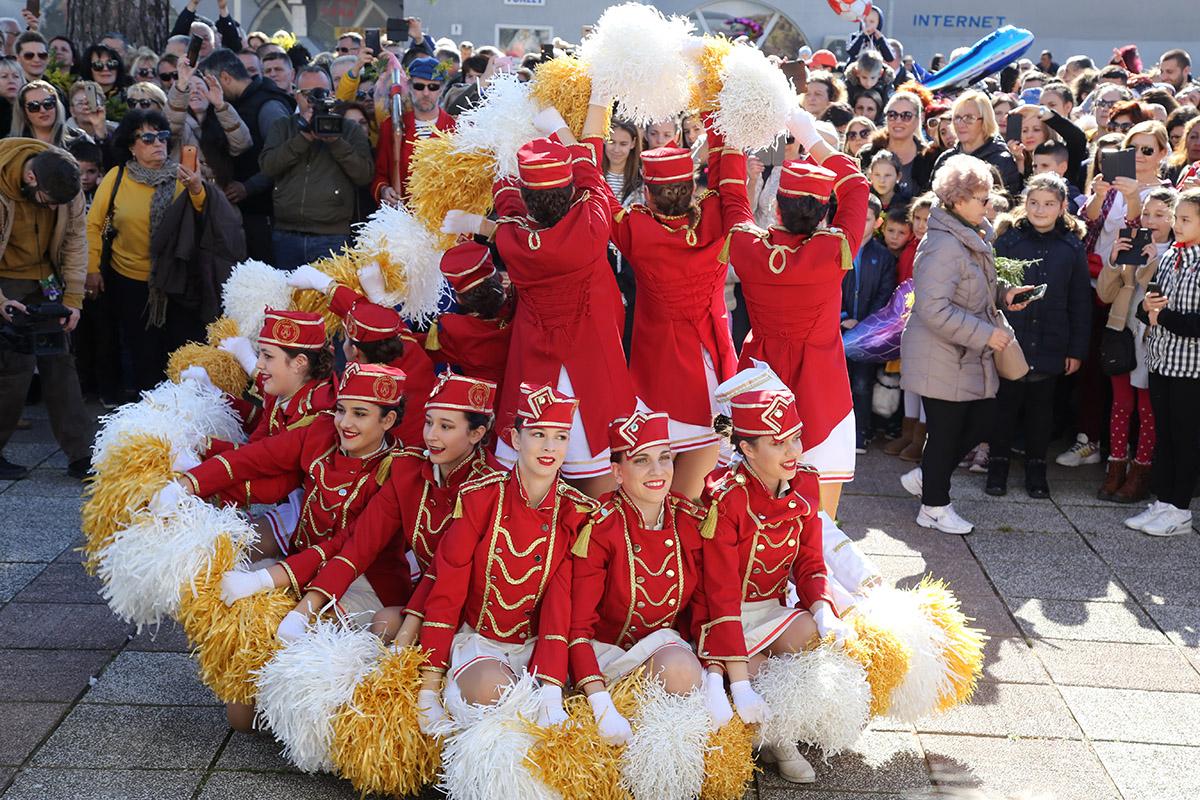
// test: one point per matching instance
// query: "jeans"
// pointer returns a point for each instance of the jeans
(291, 249)
(953, 428)
(1177, 449)
(862, 389)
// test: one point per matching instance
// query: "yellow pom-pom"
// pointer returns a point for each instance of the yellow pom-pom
(221, 329)
(963, 649)
(705, 91)
(443, 180)
(230, 642)
(377, 744)
(729, 761)
(564, 83)
(223, 368)
(343, 268)
(884, 657)
(573, 760)
(124, 482)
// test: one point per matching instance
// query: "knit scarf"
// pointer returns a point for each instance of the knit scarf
(163, 180)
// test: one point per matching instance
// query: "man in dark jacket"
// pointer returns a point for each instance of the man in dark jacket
(866, 289)
(317, 175)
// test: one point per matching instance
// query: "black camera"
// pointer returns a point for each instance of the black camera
(36, 331)
(324, 121)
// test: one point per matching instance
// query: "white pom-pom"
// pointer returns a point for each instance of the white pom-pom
(665, 757)
(182, 413)
(754, 101)
(901, 613)
(147, 564)
(501, 125)
(484, 753)
(820, 697)
(409, 259)
(251, 288)
(636, 55)
(309, 679)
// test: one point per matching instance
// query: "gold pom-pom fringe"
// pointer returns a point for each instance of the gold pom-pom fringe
(343, 268)
(377, 744)
(443, 180)
(729, 761)
(230, 642)
(223, 368)
(221, 329)
(124, 482)
(963, 650)
(712, 59)
(884, 657)
(564, 83)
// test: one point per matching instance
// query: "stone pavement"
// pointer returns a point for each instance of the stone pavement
(1091, 687)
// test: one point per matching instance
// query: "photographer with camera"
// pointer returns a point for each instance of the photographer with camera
(43, 265)
(317, 160)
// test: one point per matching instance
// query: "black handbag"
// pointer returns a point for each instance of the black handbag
(108, 233)
(1117, 353)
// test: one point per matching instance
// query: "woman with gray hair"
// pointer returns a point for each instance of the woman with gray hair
(950, 340)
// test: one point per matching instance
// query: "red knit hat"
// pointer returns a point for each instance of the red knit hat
(372, 383)
(543, 407)
(667, 165)
(639, 431)
(805, 179)
(459, 393)
(766, 413)
(367, 322)
(466, 265)
(296, 330)
(544, 164)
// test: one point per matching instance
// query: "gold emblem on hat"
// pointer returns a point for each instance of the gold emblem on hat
(477, 396)
(287, 331)
(385, 388)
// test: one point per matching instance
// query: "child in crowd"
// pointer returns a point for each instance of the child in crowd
(897, 230)
(918, 223)
(90, 158)
(866, 289)
(884, 175)
(1051, 156)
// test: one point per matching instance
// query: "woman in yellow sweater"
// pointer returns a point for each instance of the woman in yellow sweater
(139, 192)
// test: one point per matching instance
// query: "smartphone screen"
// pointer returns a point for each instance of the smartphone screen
(188, 157)
(397, 29)
(193, 51)
(371, 40)
(1153, 288)
(1012, 127)
(34, 7)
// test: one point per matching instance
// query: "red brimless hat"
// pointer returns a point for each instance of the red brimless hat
(544, 164)
(297, 330)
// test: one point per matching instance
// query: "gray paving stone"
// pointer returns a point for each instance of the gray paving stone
(129, 737)
(1116, 665)
(990, 613)
(37, 531)
(62, 583)
(1011, 767)
(1163, 586)
(1089, 579)
(1121, 546)
(880, 762)
(23, 726)
(1133, 715)
(15, 576)
(1088, 621)
(1109, 518)
(167, 638)
(1012, 661)
(1007, 515)
(992, 547)
(883, 526)
(46, 482)
(1180, 623)
(61, 626)
(47, 676)
(962, 574)
(1151, 772)
(275, 786)
(151, 679)
(1008, 709)
(95, 784)
(1078, 493)
(257, 752)
(29, 453)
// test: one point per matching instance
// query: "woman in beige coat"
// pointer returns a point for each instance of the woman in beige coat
(950, 339)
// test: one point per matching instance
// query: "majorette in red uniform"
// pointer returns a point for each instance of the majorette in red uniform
(476, 344)
(793, 289)
(501, 557)
(680, 318)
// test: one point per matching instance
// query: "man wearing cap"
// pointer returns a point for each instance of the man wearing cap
(422, 116)
(475, 340)
(792, 280)
(43, 258)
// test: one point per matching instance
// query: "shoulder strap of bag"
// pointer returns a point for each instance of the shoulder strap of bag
(112, 202)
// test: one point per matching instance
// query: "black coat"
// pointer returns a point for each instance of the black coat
(1056, 327)
(868, 287)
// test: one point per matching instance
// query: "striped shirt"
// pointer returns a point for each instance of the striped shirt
(1167, 353)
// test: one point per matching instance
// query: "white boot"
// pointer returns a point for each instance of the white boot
(943, 518)
(912, 481)
(792, 766)
(1138, 521)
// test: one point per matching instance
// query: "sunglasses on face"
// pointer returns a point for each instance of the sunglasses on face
(426, 87)
(907, 116)
(157, 136)
(105, 66)
(145, 72)
(347, 50)
(168, 77)
(143, 103)
(863, 134)
(1122, 127)
(33, 106)
(30, 56)
(966, 119)
(1147, 151)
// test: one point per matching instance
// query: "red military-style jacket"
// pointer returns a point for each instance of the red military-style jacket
(336, 487)
(410, 511)
(296, 411)
(759, 543)
(495, 565)
(384, 154)
(477, 346)
(418, 371)
(632, 580)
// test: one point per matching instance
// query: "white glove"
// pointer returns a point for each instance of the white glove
(371, 278)
(184, 461)
(237, 584)
(292, 627)
(461, 222)
(600, 98)
(828, 623)
(614, 729)
(716, 702)
(167, 499)
(430, 710)
(803, 126)
(241, 349)
(548, 120)
(550, 707)
(750, 705)
(308, 277)
(198, 376)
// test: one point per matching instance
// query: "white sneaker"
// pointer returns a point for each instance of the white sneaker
(944, 519)
(912, 481)
(1082, 452)
(1138, 521)
(792, 766)
(1171, 522)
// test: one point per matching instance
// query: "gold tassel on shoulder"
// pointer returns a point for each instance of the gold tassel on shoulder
(708, 528)
(580, 548)
(384, 470)
(431, 338)
(458, 512)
